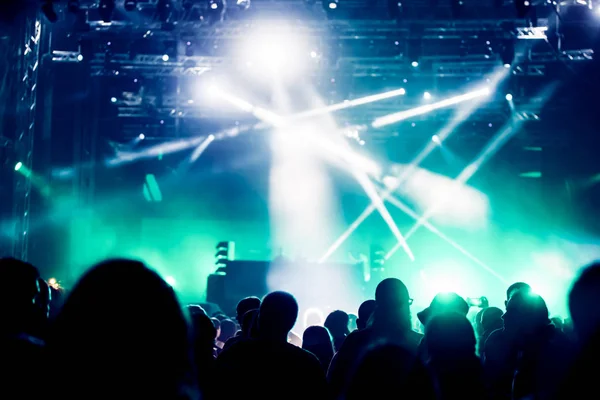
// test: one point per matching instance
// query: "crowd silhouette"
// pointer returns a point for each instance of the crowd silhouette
(121, 332)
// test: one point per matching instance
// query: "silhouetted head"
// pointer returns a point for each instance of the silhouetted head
(583, 300)
(318, 341)
(337, 323)
(120, 332)
(389, 369)
(228, 330)
(558, 323)
(364, 313)
(277, 315)
(450, 336)
(220, 316)
(491, 319)
(204, 333)
(392, 311)
(194, 309)
(19, 295)
(316, 335)
(245, 305)
(249, 324)
(526, 313)
(514, 288)
(391, 293)
(443, 303)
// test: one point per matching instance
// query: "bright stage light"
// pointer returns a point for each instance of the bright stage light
(436, 139)
(403, 115)
(18, 166)
(349, 104)
(141, 136)
(113, 99)
(509, 97)
(462, 113)
(332, 5)
(415, 64)
(212, 89)
(300, 221)
(165, 57)
(170, 280)
(243, 4)
(273, 50)
(427, 95)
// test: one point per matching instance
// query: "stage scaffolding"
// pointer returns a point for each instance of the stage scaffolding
(19, 94)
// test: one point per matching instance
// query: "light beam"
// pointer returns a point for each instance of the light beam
(413, 112)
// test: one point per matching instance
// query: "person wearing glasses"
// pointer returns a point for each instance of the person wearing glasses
(390, 323)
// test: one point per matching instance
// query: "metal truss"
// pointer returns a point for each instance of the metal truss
(154, 65)
(342, 29)
(27, 71)
(531, 60)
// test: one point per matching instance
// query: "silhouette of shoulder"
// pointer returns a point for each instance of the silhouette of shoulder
(282, 364)
(271, 349)
(494, 347)
(413, 339)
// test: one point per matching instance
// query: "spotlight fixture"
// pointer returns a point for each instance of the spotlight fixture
(130, 5)
(216, 11)
(243, 4)
(508, 97)
(507, 55)
(330, 4)
(106, 8)
(395, 9)
(190, 49)
(215, 5)
(73, 6)
(49, 11)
